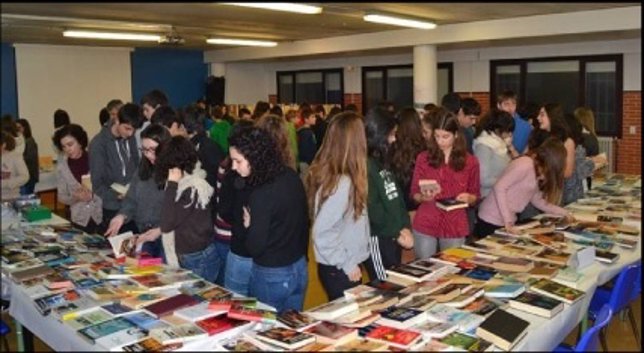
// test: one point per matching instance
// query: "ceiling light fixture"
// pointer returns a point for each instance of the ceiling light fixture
(247, 42)
(399, 21)
(280, 6)
(113, 36)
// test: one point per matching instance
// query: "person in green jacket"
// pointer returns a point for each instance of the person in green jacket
(388, 217)
(220, 128)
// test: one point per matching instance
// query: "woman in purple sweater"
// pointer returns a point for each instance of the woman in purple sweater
(536, 177)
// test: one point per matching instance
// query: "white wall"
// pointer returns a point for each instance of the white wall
(80, 80)
(471, 66)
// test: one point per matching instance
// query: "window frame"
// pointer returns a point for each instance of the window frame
(293, 74)
(384, 68)
(581, 98)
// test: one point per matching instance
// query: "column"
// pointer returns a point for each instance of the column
(425, 76)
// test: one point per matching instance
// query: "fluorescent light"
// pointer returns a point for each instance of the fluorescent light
(109, 35)
(253, 43)
(399, 21)
(280, 6)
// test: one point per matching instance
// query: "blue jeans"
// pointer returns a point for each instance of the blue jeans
(223, 249)
(28, 188)
(426, 245)
(154, 248)
(281, 287)
(237, 277)
(203, 263)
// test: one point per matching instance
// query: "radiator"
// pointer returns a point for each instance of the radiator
(607, 145)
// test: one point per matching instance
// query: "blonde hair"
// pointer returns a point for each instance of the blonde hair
(586, 118)
(343, 153)
(276, 127)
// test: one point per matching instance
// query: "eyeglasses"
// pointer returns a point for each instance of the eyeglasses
(147, 150)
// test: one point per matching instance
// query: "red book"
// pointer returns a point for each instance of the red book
(169, 305)
(399, 338)
(248, 314)
(149, 261)
(219, 323)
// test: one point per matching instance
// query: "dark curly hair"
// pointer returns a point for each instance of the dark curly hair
(260, 149)
(378, 125)
(160, 135)
(409, 143)
(178, 152)
(74, 130)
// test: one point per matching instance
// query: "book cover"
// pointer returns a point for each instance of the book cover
(537, 304)
(450, 204)
(358, 291)
(401, 317)
(240, 345)
(435, 329)
(92, 317)
(513, 264)
(481, 273)
(116, 309)
(169, 305)
(121, 338)
(503, 329)
(606, 256)
(215, 292)
(556, 290)
(220, 323)
(482, 306)
(120, 188)
(226, 304)
(399, 338)
(105, 328)
(123, 244)
(196, 312)
(408, 272)
(74, 308)
(47, 303)
(285, 338)
(461, 341)
(143, 320)
(466, 297)
(150, 344)
(428, 185)
(31, 273)
(419, 302)
(333, 309)
(252, 314)
(506, 290)
(331, 333)
(384, 285)
(361, 345)
(296, 320)
(178, 334)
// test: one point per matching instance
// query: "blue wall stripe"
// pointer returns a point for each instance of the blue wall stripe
(9, 103)
(180, 74)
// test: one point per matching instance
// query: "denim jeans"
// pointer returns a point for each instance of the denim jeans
(237, 277)
(28, 188)
(154, 248)
(427, 245)
(202, 263)
(223, 248)
(281, 287)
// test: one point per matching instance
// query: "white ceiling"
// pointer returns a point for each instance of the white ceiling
(43, 23)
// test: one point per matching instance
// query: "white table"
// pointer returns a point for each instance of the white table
(47, 181)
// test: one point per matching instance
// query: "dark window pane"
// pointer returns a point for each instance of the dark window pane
(443, 82)
(333, 89)
(400, 87)
(553, 82)
(309, 87)
(374, 87)
(508, 77)
(285, 89)
(600, 96)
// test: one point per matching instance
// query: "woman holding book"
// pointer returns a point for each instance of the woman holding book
(456, 173)
(536, 178)
(72, 174)
(186, 209)
(336, 186)
(388, 217)
(142, 202)
(276, 218)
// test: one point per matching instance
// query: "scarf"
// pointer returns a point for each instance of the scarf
(493, 141)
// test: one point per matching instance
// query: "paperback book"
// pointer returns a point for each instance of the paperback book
(537, 304)
(331, 333)
(556, 290)
(503, 329)
(285, 338)
(401, 317)
(450, 204)
(399, 338)
(221, 323)
(296, 320)
(178, 333)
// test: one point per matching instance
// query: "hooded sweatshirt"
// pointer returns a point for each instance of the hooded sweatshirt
(112, 160)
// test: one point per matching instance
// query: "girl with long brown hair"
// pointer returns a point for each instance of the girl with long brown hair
(336, 186)
(456, 172)
(536, 178)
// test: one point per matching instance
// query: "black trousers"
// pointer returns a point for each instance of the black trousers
(385, 252)
(483, 228)
(334, 281)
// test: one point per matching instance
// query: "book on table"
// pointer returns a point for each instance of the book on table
(196, 312)
(226, 304)
(252, 314)
(144, 320)
(399, 338)
(503, 329)
(150, 344)
(432, 329)
(220, 323)
(74, 308)
(505, 290)
(556, 290)
(47, 303)
(483, 306)
(418, 302)
(333, 309)
(171, 304)
(296, 320)
(105, 328)
(436, 270)
(178, 333)
(466, 297)
(450, 204)
(606, 256)
(536, 304)
(138, 301)
(118, 339)
(465, 321)
(401, 317)
(361, 345)
(117, 309)
(569, 276)
(463, 342)
(285, 338)
(408, 272)
(331, 333)
(89, 318)
(512, 264)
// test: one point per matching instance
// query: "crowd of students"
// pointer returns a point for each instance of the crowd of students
(236, 199)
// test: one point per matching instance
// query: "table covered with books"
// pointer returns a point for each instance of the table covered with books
(519, 292)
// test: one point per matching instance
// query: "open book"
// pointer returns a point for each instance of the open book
(123, 244)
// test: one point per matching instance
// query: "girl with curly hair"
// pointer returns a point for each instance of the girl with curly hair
(186, 214)
(388, 217)
(276, 218)
(456, 172)
(336, 186)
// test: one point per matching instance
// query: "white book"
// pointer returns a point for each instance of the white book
(120, 188)
(118, 339)
(37, 291)
(333, 309)
(123, 244)
(178, 334)
(435, 329)
(197, 312)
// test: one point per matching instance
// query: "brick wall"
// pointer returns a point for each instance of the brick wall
(353, 98)
(629, 147)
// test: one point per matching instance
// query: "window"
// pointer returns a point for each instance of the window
(311, 86)
(396, 84)
(595, 82)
